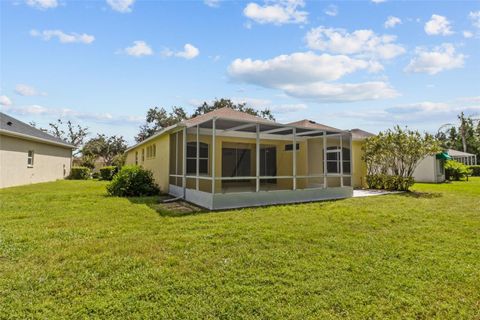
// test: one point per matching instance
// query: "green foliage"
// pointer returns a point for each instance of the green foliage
(79, 173)
(119, 160)
(69, 252)
(107, 173)
(475, 170)
(455, 170)
(133, 181)
(105, 148)
(396, 153)
(159, 118)
(389, 182)
(88, 161)
(463, 136)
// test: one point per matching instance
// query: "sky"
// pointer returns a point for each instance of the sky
(348, 64)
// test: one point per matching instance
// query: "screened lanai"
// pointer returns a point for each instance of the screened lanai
(223, 163)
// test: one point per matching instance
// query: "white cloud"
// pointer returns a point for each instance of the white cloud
(288, 108)
(360, 42)
(299, 67)
(341, 92)
(106, 118)
(467, 34)
(5, 101)
(139, 49)
(277, 12)
(392, 21)
(438, 25)
(212, 3)
(331, 10)
(439, 59)
(474, 16)
(28, 91)
(306, 75)
(42, 4)
(123, 6)
(189, 52)
(62, 36)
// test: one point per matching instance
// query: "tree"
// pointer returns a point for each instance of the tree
(222, 103)
(158, 119)
(464, 137)
(398, 151)
(68, 132)
(108, 148)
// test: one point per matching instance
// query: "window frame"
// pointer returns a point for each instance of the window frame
(30, 158)
(200, 158)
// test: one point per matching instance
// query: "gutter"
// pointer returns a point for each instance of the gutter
(28, 137)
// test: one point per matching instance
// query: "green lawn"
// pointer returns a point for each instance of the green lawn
(69, 251)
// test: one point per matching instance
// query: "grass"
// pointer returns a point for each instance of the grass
(69, 251)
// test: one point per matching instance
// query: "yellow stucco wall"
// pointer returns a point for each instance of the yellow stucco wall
(164, 162)
(359, 167)
(51, 162)
(159, 164)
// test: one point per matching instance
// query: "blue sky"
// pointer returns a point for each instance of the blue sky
(349, 64)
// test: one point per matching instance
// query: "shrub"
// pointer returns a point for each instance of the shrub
(475, 170)
(107, 173)
(132, 181)
(389, 182)
(455, 170)
(79, 173)
(95, 175)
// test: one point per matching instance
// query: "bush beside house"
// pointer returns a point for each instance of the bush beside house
(455, 170)
(133, 181)
(107, 173)
(79, 173)
(475, 170)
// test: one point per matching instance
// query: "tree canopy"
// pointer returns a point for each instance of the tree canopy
(463, 136)
(67, 131)
(109, 148)
(158, 118)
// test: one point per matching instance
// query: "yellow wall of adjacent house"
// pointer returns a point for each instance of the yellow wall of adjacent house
(50, 162)
(164, 162)
(359, 166)
(159, 164)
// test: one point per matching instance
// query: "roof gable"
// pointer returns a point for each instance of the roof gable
(313, 125)
(17, 127)
(225, 113)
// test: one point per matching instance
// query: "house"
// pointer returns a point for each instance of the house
(29, 155)
(431, 169)
(229, 159)
(466, 158)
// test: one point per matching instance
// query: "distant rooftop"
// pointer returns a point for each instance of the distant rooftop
(16, 127)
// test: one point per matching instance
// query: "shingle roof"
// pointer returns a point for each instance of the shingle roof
(17, 127)
(225, 113)
(457, 153)
(359, 134)
(310, 124)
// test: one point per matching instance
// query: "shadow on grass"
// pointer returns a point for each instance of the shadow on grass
(423, 195)
(177, 208)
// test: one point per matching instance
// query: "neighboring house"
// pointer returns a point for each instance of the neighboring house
(98, 163)
(469, 159)
(230, 159)
(431, 169)
(29, 155)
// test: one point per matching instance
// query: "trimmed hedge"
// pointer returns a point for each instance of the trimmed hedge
(79, 173)
(389, 182)
(133, 181)
(107, 173)
(475, 170)
(455, 170)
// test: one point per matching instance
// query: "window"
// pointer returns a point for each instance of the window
(136, 157)
(151, 151)
(30, 158)
(192, 158)
(236, 162)
(289, 147)
(143, 155)
(333, 160)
